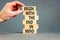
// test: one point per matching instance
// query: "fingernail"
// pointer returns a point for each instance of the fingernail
(21, 11)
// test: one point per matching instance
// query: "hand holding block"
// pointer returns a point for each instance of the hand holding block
(31, 26)
(32, 17)
(29, 21)
(29, 31)
(25, 8)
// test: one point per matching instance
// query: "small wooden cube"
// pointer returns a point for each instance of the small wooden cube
(32, 17)
(29, 31)
(25, 8)
(30, 13)
(31, 26)
(29, 22)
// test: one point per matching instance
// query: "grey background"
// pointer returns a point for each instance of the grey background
(49, 16)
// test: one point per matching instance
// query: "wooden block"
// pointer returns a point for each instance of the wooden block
(29, 31)
(29, 22)
(32, 17)
(25, 8)
(30, 13)
(31, 26)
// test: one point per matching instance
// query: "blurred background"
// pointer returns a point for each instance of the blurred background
(49, 16)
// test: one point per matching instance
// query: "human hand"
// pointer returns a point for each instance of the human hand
(11, 9)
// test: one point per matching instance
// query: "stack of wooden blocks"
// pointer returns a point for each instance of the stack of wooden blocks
(30, 21)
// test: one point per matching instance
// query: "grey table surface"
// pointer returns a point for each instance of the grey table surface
(38, 36)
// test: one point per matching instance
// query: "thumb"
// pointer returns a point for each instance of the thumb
(20, 11)
(16, 12)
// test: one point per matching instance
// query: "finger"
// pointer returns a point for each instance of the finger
(12, 3)
(19, 3)
(16, 12)
(16, 5)
(20, 11)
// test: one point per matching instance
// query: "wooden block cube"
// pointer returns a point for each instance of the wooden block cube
(25, 8)
(30, 13)
(31, 26)
(29, 22)
(32, 17)
(29, 31)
